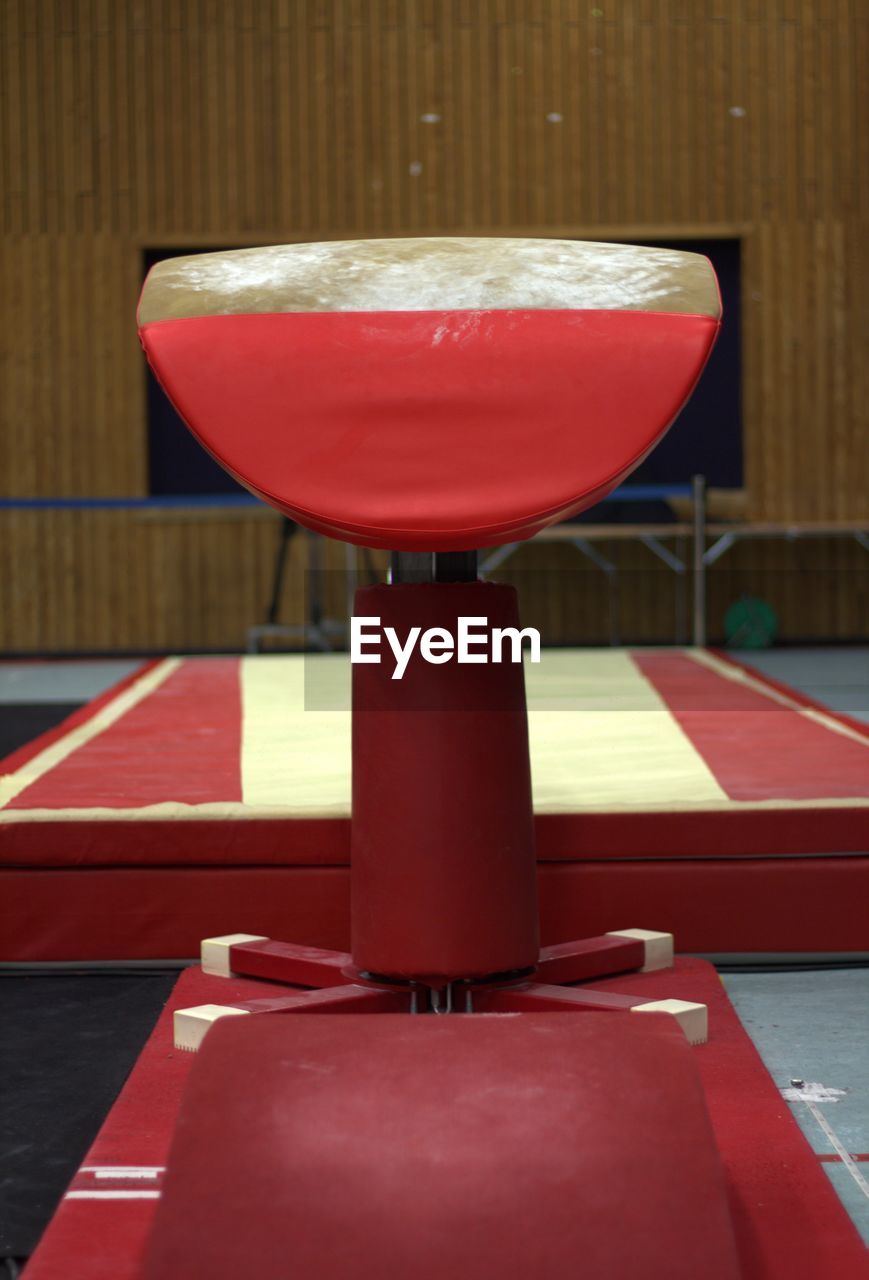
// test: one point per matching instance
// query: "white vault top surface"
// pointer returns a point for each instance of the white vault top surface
(432, 274)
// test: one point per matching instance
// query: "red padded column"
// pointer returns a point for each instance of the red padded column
(443, 868)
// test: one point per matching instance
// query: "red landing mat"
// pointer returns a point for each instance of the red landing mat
(205, 796)
(789, 1222)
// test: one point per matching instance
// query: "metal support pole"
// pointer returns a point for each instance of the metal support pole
(412, 566)
(698, 486)
(455, 566)
(433, 566)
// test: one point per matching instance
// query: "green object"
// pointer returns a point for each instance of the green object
(750, 624)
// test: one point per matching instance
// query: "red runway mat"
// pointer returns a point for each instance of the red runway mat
(211, 795)
(789, 1222)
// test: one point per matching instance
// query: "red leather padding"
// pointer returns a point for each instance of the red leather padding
(726, 905)
(442, 837)
(430, 430)
(359, 1147)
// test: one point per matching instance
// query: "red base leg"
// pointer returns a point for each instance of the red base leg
(192, 1025)
(537, 997)
(248, 956)
(616, 952)
(591, 958)
(332, 975)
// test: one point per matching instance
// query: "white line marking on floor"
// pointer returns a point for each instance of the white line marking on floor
(123, 1170)
(112, 1195)
(837, 1146)
(811, 1092)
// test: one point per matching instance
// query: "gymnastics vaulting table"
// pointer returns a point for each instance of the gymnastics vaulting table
(360, 388)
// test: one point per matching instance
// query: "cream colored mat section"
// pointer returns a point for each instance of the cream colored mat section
(294, 756)
(601, 736)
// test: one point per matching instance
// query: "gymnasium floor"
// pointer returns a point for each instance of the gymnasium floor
(837, 677)
(809, 1025)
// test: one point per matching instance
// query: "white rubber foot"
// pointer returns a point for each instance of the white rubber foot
(192, 1025)
(692, 1018)
(659, 947)
(214, 952)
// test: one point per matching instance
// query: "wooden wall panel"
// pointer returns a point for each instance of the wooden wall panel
(133, 124)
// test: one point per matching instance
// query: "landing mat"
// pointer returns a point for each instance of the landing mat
(788, 1220)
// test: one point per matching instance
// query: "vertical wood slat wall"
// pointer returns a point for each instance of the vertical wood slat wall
(133, 124)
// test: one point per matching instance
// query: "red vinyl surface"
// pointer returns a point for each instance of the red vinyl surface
(185, 735)
(421, 1148)
(788, 1221)
(430, 430)
(795, 695)
(19, 757)
(757, 748)
(710, 905)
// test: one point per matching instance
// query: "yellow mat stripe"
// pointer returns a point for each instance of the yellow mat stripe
(602, 740)
(292, 756)
(614, 744)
